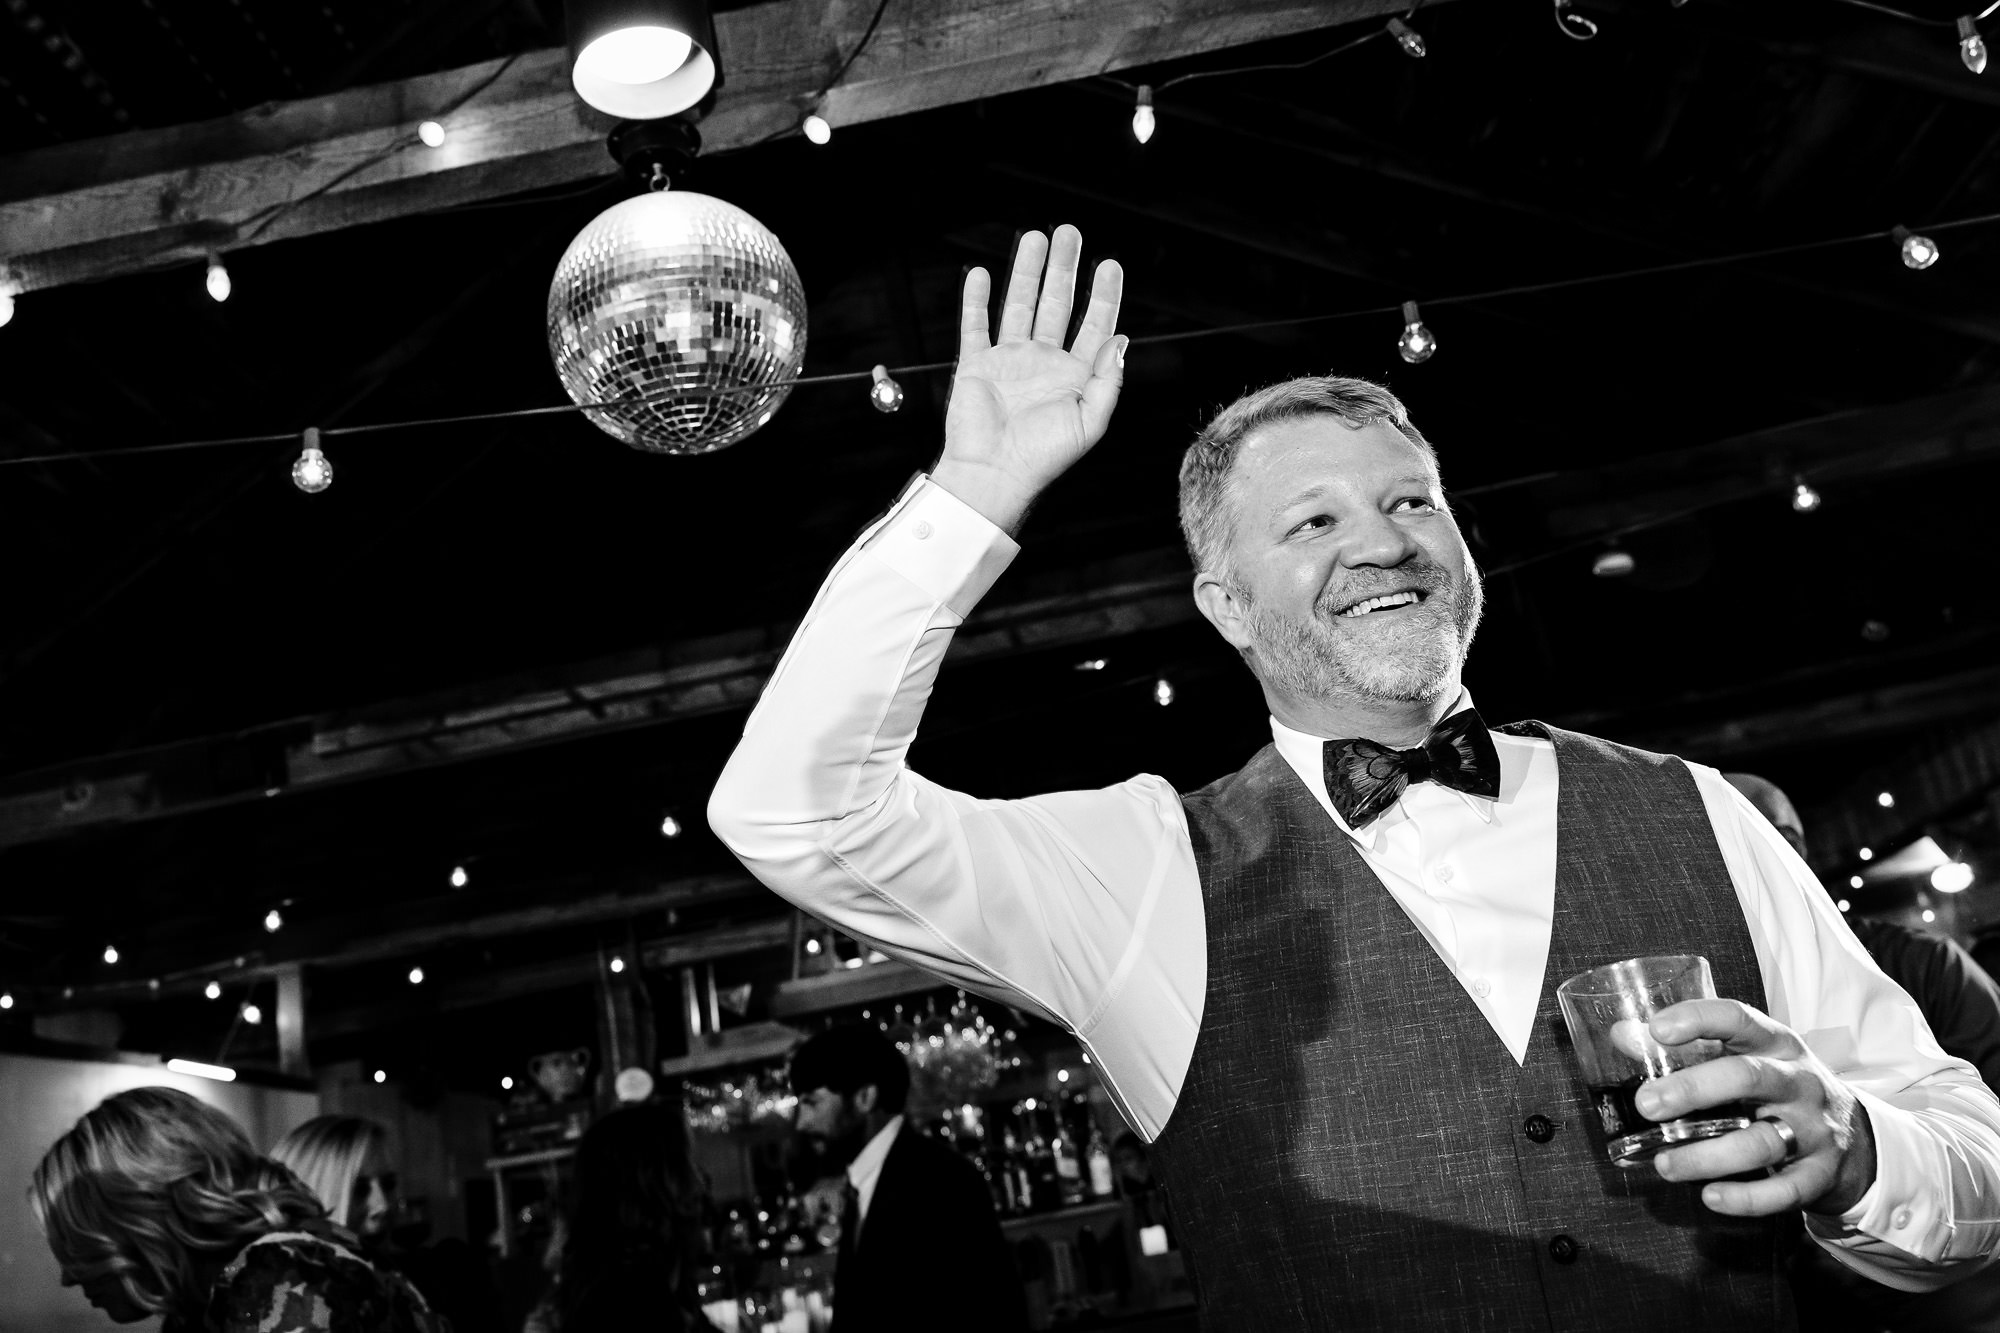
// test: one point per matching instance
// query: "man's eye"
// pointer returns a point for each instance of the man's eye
(1414, 503)
(1316, 521)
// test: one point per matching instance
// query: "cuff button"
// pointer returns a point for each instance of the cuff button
(1901, 1220)
(921, 530)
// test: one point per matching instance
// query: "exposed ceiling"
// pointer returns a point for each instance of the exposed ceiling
(193, 622)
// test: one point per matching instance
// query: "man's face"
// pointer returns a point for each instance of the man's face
(827, 1116)
(1352, 581)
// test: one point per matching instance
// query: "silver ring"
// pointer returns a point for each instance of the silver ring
(1785, 1136)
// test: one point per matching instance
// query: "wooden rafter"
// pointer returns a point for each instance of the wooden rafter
(132, 202)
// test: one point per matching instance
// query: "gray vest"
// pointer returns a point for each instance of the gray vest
(1354, 1148)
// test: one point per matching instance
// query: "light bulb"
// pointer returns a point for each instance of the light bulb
(1866, 853)
(1163, 692)
(6, 999)
(1886, 799)
(459, 879)
(110, 953)
(1854, 881)
(617, 964)
(213, 990)
(1090, 664)
(1143, 122)
(885, 393)
(1919, 252)
(1062, 1076)
(816, 128)
(6, 308)
(381, 1076)
(1844, 905)
(252, 1014)
(218, 279)
(1408, 38)
(1418, 344)
(274, 921)
(431, 133)
(506, 1083)
(812, 946)
(1971, 47)
(638, 54)
(1929, 916)
(313, 472)
(1613, 564)
(416, 976)
(670, 827)
(1952, 877)
(1804, 498)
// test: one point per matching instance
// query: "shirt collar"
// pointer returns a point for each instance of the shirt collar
(1306, 754)
(867, 1164)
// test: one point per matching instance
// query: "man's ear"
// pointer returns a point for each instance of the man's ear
(866, 1098)
(1225, 609)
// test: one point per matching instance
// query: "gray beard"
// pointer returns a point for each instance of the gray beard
(1416, 663)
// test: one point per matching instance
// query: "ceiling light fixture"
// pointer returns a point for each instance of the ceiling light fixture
(220, 1073)
(1418, 344)
(1143, 120)
(642, 59)
(312, 473)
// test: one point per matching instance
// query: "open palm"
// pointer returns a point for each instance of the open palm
(1024, 408)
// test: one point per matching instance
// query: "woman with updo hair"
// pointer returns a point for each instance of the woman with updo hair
(156, 1203)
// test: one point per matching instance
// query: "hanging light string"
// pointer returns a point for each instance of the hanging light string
(1919, 19)
(929, 367)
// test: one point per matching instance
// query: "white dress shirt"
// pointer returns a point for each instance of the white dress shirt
(1086, 906)
(865, 1171)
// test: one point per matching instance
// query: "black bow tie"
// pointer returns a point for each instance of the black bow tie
(1364, 778)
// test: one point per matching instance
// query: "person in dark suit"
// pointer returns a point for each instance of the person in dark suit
(920, 1244)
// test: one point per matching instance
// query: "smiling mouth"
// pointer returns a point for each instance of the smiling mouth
(1388, 601)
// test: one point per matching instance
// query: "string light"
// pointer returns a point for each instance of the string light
(815, 128)
(1854, 881)
(312, 473)
(1804, 498)
(1090, 664)
(1163, 692)
(670, 827)
(1971, 46)
(1952, 877)
(431, 133)
(213, 990)
(1418, 344)
(218, 279)
(459, 879)
(1572, 24)
(274, 921)
(6, 999)
(1886, 799)
(1615, 563)
(251, 1014)
(1408, 38)
(1929, 916)
(381, 1076)
(1866, 853)
(885, 393)
(506, 1083)
(1143, 120)
(6, 308)
(1919, 252)
(416, 976)
(1844, 905)
(110, 953)
(617, 964)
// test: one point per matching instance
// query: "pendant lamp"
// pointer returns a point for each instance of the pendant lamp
(642, 59)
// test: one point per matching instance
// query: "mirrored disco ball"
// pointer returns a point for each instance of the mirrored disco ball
(675, 291)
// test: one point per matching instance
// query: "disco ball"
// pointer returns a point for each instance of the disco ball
(674, 291)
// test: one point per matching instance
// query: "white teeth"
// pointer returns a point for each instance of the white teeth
(1380, 603)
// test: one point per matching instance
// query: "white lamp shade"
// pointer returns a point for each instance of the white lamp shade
(642, 59)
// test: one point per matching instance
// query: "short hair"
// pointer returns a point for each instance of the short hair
(157, 1188)
(1211, 460)
(848, 1058)
(327, 1153)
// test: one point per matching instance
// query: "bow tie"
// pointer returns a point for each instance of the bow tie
(1364, 778)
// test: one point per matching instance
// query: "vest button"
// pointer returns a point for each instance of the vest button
(1562, 1249)
(1539, 1128)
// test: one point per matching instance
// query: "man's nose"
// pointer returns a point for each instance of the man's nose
(1375, 539)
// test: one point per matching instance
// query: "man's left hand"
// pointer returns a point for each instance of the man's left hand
(1768, 1066)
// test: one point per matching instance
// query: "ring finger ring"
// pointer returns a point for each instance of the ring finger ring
(1785, 1136)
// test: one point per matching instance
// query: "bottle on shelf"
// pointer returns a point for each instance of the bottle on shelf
(1069, 1169)
(1097, 1157)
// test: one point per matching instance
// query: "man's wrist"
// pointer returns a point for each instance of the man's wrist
(994, 495)
(1857, 1167)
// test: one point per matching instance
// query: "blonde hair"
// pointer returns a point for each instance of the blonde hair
(327, 1153)
(160, 1190)
(1206, 468)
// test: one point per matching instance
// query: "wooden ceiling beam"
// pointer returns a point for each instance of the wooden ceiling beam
(127, 203)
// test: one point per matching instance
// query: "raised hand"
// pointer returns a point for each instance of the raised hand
(1769, 1066)
(1022, 407)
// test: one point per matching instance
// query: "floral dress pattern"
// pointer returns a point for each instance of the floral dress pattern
(299, 1282)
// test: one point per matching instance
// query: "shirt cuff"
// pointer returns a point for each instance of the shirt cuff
(943, 546)
(1903, 1207)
